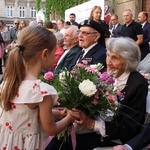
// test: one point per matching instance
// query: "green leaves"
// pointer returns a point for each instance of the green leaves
(59, 7)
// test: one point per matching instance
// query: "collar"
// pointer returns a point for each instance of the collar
(143, 24)
(123, 76)
(90, 47)
(116, 25)
(121, 81)
(130, 23)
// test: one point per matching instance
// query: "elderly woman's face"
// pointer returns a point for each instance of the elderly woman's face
(115, 62)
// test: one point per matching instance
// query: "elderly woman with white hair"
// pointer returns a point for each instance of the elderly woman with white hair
(123, 56)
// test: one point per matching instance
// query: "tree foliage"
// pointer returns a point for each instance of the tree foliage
(38, 5)
(58, 6)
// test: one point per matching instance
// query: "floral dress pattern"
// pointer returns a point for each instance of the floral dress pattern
(20, 128)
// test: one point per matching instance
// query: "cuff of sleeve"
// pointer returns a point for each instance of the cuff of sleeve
(127, 147)
(100, 127)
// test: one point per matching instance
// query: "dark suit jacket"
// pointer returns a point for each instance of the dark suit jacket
(132, 113)
(65, 62)
(144, 47)
(142, 139)
(117, 31)
(95, 55)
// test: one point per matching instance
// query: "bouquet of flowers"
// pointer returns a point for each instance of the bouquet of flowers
(85, 88)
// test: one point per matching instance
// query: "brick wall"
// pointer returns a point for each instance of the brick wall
(146, 7)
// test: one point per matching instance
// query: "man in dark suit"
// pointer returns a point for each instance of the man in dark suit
(71, 43)
(116, 28)
(138, 142)
(144, 46)
(89, 34)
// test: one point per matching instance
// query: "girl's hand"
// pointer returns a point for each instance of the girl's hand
(82, 119)
(62, 111)
(71, 117)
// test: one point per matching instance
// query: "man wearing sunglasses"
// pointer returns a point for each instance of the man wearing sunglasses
(14, 30)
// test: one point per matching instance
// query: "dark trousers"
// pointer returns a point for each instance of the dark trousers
(87, 141)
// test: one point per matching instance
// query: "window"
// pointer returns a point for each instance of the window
(9, 11)
(33, 12)
(21, 12)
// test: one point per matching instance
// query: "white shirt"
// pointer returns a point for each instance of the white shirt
(143, 24)
(87, 49)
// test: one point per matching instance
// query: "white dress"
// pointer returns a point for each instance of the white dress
(20, 128)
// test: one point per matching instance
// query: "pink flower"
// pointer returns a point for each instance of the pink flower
(73, 72)
(103, 76)
(9, 46)
(84, 62)
(80, 65)
(92, 70)
(111, 98)
(106, 78)
(48, 76)
(95, 101)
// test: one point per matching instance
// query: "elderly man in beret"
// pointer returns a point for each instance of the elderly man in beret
(90, 39)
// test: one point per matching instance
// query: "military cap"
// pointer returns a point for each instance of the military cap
(91, 23)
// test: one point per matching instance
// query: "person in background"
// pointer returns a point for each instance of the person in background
(116, 27)
(131, 28)
(144, 67)
(59, 49)
(14, 30)
(33, 23)
(40, 23)
(6, 39)
(95, 15)
(49, 26)
(67, 24)
(93, 52)
(61, 26)
(22, 25)
(71, 43)
(26, 102)
(121, 53)
(72, 18)
(1, 52)
(144, 46)
(55, 25)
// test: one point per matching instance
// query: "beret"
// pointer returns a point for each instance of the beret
(91, 23)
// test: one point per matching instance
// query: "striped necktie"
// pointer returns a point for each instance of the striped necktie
(81, 56)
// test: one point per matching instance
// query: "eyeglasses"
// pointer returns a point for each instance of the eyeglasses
(84, 33)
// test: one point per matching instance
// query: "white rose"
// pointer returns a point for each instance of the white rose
(93, 66)
(87, 87)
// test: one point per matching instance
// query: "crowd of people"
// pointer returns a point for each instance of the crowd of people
(54, 46)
